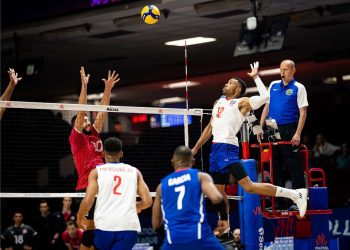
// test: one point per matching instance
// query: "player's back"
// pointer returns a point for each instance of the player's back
(116, 199)
(184, 207)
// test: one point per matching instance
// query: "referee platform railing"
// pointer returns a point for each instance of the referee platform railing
(313, 176)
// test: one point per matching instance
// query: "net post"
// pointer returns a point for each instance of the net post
(245, 140)
(186, 130)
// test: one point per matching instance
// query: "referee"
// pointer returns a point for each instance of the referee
(288, 107)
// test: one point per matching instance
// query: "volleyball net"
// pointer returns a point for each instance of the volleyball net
(36, 159)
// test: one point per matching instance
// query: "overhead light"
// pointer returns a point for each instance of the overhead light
(346, 77)
(330, 80)
(270, 72)
(191, 41)
(168, 100)
(179, 85)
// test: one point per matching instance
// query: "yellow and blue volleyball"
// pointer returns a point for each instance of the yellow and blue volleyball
(150, 14)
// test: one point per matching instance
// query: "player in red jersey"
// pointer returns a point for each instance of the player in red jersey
(72, 236)
(86, 145)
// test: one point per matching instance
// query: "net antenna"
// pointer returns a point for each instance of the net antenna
(186, 97)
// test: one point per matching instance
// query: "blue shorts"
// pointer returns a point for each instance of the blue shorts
(107, 240)
(209, 243)
(222, 155)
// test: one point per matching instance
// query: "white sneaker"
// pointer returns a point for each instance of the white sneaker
(301, 201)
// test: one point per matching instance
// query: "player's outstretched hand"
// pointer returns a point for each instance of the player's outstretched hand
(222, 227)
(255, 70)
(84, 78)
(13, 76)
(112, 79)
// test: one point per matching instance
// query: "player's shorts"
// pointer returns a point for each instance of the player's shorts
(222, 155)
(209, 243)
(114, 240)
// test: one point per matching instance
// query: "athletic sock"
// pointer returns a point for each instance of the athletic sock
(286, 193)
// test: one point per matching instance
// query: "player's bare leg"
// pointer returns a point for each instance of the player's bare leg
(298, 196)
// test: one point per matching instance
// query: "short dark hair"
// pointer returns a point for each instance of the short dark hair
(183, 153)
(18, 212)
(72, 121)
(71, 222)
(43, 201)
(112, 145)
(242, 83)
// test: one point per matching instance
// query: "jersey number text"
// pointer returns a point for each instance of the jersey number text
(181, 189)
(118, 181)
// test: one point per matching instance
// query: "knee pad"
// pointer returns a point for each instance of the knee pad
(88, 238)
(237, 170)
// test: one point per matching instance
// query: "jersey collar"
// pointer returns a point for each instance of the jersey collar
(288, 84)
(180, 170)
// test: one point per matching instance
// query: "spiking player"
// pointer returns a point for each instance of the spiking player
(228, 115)
(86, 145)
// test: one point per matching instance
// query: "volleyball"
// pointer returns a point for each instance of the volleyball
(150, 14)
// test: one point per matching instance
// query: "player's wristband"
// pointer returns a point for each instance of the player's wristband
(221, 207)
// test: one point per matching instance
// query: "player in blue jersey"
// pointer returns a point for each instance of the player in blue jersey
(180, 206)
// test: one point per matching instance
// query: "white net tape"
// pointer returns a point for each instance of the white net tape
(35, 151)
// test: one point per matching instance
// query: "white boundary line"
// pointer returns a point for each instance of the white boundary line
(103, 108)
(47, 195)
(73, 195)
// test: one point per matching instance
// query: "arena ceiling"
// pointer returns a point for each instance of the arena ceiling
(114, 37)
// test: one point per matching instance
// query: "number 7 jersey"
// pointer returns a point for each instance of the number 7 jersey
(183, 207)
(116, 199)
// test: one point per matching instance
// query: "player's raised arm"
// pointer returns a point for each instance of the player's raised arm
(254, 102)
(14, 79)
(112, 79)
(79, 121)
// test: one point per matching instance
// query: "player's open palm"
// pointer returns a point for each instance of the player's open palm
(255, 69)
(84, 78)
(112, 79)
(13, 76)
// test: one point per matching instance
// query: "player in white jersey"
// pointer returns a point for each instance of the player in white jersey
(116, 185)
(228, 115)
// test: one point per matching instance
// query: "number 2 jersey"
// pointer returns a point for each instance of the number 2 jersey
(116, 199)
(183, 207)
